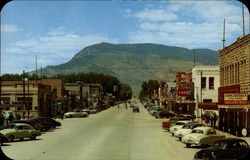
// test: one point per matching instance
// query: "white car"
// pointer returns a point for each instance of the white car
(77, 113)
(203, 136)
(187, 128)
(178, 125)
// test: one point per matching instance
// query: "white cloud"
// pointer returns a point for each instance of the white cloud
(9, 28)
(52, 48)
(192, 24)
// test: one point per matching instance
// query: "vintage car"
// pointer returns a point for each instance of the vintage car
(20, 131)
(77, 113)
(187, 128)
(3, 138)
(178, 125)
(225, 148)
(203, 136)
(167, 124)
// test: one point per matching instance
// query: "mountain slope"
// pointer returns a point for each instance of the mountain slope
(135, 63)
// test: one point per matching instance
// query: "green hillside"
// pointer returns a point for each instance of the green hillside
(134, 63)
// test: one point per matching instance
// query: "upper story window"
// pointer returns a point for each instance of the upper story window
(203, 82)
(211, 82)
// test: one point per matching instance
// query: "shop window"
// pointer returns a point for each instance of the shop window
(211, 82)
(203, 82)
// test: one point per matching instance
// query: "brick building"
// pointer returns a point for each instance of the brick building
(234, 108)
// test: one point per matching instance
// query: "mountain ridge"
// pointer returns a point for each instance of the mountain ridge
(135, 63)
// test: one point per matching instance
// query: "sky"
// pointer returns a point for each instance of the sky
(55, 31)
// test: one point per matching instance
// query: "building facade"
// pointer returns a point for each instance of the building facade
(234, 92)
(28, 100)
(206, 80)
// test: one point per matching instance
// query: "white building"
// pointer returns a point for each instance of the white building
(206, 81)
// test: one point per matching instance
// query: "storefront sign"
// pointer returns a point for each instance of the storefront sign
(183, 92)
(236, 98)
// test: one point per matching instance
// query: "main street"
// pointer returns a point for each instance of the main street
(113, 134)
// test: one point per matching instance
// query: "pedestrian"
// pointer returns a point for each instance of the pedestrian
(62, 114)
(18, 116)
(1, 120)
(118, 106)
(11, 118)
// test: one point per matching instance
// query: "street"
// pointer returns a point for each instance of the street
(113, 134)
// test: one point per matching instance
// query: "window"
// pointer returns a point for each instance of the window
(203, 82)
(211, 82)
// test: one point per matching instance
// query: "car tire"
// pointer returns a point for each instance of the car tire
(33, 137)
(21, 139)
(11, 138)
(180, 138)
(70, 116)
(188, 145)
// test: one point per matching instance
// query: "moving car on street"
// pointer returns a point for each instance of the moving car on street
(203, 136)
(20, 131)
(77, 113)
(225, 148)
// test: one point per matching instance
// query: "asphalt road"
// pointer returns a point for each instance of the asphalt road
(113, 134)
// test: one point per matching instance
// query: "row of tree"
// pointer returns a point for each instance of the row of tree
(123, 91)
(148, 89)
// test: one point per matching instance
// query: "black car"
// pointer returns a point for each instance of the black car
(3, 138)
(164, 114)
(47, 122)
(225, 148)
(53, 122)
(33, 123)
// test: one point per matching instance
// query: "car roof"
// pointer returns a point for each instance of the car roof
(203, 128)
(22, 124)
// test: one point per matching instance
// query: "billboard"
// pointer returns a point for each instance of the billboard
(236, 98)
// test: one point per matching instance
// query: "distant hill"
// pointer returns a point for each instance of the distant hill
(135, 63)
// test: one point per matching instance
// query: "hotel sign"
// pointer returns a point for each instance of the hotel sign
(236, 98)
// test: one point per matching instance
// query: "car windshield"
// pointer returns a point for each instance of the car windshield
(198, 131)
(112, 73)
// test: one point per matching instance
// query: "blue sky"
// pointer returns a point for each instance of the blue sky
(56, 30)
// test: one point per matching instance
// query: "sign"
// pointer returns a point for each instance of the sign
(183, 92)
(236, 98)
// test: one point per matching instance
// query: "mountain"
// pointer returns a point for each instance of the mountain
(135, 63)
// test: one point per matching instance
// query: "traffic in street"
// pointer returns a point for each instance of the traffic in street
(114, 134)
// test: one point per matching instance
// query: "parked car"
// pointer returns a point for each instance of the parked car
(136, 109)
(164, 114)
(92, 110)
(203, 136)
(47, 122)
(34, 124)
(225, 148)
(20, 131)
(77, 113)
(178, 125)
(187, 128)
(167, 124)
(3, 138)
(154, 110)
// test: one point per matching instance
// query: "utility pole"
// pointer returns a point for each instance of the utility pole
(24, 94)
(223, 40)
(194, 57)
(36, 69)
(28, 104)
(243, 19)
